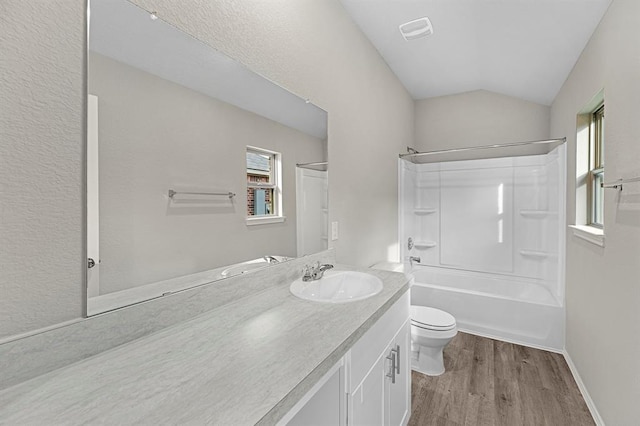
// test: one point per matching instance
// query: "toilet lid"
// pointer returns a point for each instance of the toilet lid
(431, 318)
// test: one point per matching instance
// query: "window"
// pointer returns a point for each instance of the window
(596, 169)
(264, 190)
(590, 171)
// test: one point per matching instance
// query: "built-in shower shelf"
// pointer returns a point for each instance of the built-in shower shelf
(424, 245)
(424, 211)
(538, 214)
(535, 253)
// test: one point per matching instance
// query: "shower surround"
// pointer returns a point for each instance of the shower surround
(489, 235)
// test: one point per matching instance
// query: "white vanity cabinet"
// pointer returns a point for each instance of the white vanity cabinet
(324, 404)
(398, 392)
(379, 382)
(371, 384)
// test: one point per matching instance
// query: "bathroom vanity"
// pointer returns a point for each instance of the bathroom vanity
(371, 384)
(265, 358)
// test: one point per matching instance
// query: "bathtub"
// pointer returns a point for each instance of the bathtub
(507, 308)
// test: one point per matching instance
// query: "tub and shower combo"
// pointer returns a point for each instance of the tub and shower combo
(482, 232)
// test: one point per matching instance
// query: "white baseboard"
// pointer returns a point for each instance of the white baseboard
(583, 390)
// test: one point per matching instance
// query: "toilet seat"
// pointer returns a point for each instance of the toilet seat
(432, 319)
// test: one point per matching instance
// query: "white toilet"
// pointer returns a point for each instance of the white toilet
(431, 330)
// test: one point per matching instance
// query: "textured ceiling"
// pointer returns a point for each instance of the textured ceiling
(519, 48)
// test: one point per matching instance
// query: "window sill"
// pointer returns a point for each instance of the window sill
(263, 220)
(589, 233)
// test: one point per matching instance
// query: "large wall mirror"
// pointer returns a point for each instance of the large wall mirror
(197, 168)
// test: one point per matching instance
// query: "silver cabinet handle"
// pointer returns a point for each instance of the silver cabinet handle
(91, 263)
(392, 358)
(396, 352)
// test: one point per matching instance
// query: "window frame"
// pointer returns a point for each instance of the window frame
(595, 193)
(275, 183)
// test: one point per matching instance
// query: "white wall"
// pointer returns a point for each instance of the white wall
(310, 47)
(603, 284)
(42, 106)
(477, 118)
(155, 135)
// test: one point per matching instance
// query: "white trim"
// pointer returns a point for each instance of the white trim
(583, 390)
(589, 233)
(263, 220)
(299, 211)
(93, 198)
(262, 150)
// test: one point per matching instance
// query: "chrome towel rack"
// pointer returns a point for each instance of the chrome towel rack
(228, 194)
(618, 183)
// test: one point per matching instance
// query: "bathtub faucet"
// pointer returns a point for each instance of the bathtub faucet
(315, 272)
(413, 259)
(270, 259)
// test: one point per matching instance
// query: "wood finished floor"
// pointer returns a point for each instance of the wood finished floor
(489, 382)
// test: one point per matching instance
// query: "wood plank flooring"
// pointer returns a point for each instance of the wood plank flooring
(489, 382)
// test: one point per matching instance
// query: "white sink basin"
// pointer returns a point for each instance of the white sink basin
(338, 287)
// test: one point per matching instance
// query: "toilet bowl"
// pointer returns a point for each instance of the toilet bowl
(431, 330)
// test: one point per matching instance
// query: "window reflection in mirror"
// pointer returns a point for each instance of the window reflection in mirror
(264, 189)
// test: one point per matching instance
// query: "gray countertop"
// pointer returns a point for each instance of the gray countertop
(246, 362)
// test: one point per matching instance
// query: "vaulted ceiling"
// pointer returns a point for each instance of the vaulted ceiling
(520, 48)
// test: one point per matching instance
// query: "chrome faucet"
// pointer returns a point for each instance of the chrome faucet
(315, 272)
(270, 259)
(413, 259)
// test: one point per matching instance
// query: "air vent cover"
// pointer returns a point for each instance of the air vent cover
(417, 28)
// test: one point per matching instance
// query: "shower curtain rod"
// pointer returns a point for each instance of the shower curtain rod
(505, 145)
(319, 163)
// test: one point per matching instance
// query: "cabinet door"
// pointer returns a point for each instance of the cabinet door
(324, 404)
(325, 407)
(398, 394)
(374, 399)
(367, 401)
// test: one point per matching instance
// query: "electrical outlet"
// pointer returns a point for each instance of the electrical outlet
(334, 231)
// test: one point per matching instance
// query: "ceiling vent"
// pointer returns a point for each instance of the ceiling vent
(417, 28)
